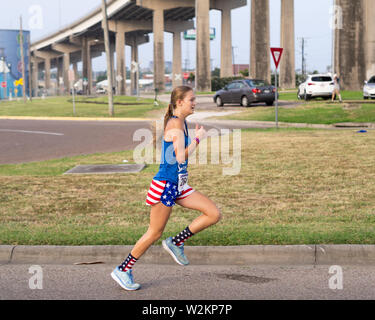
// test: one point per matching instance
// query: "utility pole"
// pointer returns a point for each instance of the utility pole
(22, 62)
(234, 61)
(109, 59)
(29, 69)
(303, 45)
(303, 56)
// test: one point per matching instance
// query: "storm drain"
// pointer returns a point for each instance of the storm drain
(245, 278)
(106, 169)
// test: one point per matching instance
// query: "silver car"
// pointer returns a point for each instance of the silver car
(369, 89)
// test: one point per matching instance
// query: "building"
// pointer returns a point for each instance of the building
(11, 65)
(237, 68)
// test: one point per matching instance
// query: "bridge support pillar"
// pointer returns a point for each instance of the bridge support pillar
(66, 49)
(34, 75)
(350, 44)
(86, 65)
(260, 40)
(120, 62)
(134, 40)
(203, 63)
(159, 64)
(134, 70)
(287, 64)
(176, 27)
(47, 56)
(226, 63)
(370, 38)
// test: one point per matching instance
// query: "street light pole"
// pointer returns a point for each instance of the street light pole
(109, 58)
(29, 68)
(22, 62)
(3, 64)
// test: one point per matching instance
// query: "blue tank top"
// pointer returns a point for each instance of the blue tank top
(169, 167)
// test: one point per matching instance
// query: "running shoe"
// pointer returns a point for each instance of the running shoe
(125, 279)
(176, 252)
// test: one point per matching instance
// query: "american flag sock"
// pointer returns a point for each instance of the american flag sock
(182, 237)
(128, 263)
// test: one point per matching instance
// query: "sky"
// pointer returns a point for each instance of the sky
(312, 22)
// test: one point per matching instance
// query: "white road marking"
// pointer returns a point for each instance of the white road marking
(33, 132)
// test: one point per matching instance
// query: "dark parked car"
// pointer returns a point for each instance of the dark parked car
(245, 92)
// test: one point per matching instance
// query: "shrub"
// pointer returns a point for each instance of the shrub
(218, 83)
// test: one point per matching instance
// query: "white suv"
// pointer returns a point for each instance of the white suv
(369, 89)
(316, 85)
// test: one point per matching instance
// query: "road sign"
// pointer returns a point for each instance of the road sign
(276, 55)
(18, 82)
(3, 84)
(134, 66)
(192, 34)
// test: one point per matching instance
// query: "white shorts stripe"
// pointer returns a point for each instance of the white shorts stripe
(185, 195)
(156, 188)
(152, 200)
(161, 184)
(154, 194)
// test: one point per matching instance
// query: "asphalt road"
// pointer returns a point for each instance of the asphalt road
(36, 140)
(194, 282)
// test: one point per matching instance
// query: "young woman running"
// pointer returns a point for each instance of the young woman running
(169, 187)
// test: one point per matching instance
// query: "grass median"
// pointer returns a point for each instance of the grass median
(314, 112)
(295, 187)
(125, 107)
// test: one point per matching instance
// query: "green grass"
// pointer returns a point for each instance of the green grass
(295, 187)
(63, 107)
(57, 167)
(311, 113)
(346, 95)
(288, 96)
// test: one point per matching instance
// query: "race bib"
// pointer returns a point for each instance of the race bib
(182, 181)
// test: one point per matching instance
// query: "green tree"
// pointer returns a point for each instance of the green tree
(245, 73)
(215, 73)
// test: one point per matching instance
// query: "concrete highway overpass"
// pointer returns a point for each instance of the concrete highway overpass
(130, 22)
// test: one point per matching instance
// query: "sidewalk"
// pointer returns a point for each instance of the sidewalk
(238, 255)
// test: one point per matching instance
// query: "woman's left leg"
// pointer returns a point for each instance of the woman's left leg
(210, 212)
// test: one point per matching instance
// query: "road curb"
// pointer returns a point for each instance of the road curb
(6, 254)
(202, 255)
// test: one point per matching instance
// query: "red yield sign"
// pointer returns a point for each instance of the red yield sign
(276, 55)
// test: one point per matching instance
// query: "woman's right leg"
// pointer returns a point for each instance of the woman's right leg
(158, 219)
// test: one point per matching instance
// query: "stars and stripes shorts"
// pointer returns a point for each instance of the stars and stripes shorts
(166, 192)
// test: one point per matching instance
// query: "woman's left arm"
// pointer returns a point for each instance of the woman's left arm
(200, 134)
